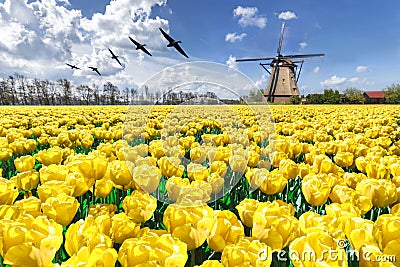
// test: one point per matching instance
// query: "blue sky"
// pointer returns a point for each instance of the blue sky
(361, 39)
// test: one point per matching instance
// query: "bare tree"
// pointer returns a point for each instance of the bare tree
(4, 92)
(12, 90)
(85, 93)
(66, 91)
(21, 87)
(96, 94)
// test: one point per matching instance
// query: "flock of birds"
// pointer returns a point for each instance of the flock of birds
(139, 46)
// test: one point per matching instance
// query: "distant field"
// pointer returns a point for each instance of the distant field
(185, 184)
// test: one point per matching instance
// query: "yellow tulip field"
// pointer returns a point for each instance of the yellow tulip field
(199, 185)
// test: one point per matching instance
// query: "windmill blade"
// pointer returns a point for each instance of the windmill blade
(281, 39)
(304, 56)
(263, 65)
(298, 74)
(254, 59)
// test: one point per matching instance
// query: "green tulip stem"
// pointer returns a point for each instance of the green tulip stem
(94, 198)
(192, 258)
(371, 217)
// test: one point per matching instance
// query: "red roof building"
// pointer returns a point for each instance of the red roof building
(374, 97)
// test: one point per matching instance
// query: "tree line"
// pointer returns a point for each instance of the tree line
(350, 95)
(18, 90)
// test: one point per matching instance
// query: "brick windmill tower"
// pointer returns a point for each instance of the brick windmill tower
(284, 73)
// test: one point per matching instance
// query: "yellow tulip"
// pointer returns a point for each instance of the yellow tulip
(219, 167)
(163, 250)
(53, 155)
(139, 206)
(27, 255)
(352, 179)
(30, 205)
(315, 191)
(220, 153)
(156, 149)
(344, 159)
(174, 186)
(127, 153)
(276, 157)
(5, 154)
(53, 172)
(27, 180)
(24, 163)
(146, 161)
(275, 230)
(61, 208)
(361, 164)
(98, 257)
(381, 192)
(197, 193)
(247, 253)
(123, 227)
(372, 256)
(216, 182)
(313, 250)
(77, 233)
(197, 172)
(246, 209)
(304, 169)
(210, 263)
(253, 158)
(227, 230)
(7, 192)
(92, 167)
(103, 188)
(102, 209)
(121, 173)
(288, 168)
(385, 230)
(53, 189)
(78, 182)
(310, 222)
(273, 182)
(343, 194)
(359, 232)
(377, 171)
(171, 166)
(11, 212)
(46, 233)
(87, 141)
(147, 177)
(323, 164)
(190, 224)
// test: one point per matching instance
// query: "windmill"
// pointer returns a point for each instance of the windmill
(284, 73)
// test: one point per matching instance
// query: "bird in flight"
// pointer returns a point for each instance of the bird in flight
(113, 56)
(140, 46)
(95, 69)
(173, 43)
(72, 66)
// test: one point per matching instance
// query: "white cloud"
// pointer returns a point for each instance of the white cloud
(287, 15)
(316, 69)
(354, 79)
(303, 45)
(39, 36)
(334, 80)
(233, 37)
(39, 30)
(361, 69)
(262, 80)
(248, 17)
(231, 62)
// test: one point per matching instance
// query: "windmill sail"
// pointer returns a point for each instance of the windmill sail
(282, 83)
